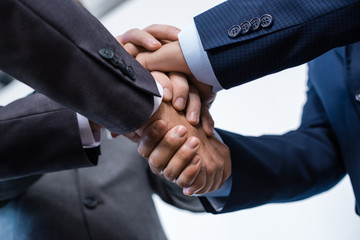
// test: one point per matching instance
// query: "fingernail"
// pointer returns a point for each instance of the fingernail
(193, 117)
(154, 42)
(187, 191)
(180, 131)
(167, 94)
(180, 103)
(193, 143)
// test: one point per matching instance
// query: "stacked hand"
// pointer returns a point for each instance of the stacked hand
(177, 140)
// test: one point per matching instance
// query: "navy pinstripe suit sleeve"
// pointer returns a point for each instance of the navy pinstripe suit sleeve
(290, 167)
(301, 30)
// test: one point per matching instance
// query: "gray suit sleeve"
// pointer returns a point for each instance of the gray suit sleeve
(61, 50)
(38, 136)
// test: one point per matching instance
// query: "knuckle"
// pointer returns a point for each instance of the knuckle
(200, 181)
(185, 87)
(133, 30)
(155, 171)
(171, 142)
(219, 164)
(211, 169)
(185, 181)
(180, 85)
(142, 152)
(169, 174)
(182, 155)
(156, 164)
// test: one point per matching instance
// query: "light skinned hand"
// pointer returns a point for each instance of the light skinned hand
(157, 48)
(150, 38)
(169, 58)
(154, 37)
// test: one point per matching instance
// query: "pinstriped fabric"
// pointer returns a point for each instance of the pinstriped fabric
(301, 31)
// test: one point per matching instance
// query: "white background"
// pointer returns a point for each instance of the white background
(271, 105)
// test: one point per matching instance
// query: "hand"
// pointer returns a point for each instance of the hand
(185, 97)
(151, 38)
(157, 49)
(177, 157)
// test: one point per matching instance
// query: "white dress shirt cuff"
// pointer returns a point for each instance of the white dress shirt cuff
(197, 58)
(158, 100)
(89, 138)
(92, 138)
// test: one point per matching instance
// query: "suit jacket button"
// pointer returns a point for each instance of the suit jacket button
(90, 203)
(122, 66)
(130, 72)
(106, 53)
(115, 61)
(245, 27)
(357, 96)
(266, 20)
(255, 24)
(234, 31)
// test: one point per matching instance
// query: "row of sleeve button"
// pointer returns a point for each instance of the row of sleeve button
(253, 25)
(109, 55)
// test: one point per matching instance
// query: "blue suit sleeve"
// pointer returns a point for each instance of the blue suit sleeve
(290, 167)
(300, 31)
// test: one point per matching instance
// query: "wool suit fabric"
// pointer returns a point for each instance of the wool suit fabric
(48, 193)
(325, 147)
(57, 47)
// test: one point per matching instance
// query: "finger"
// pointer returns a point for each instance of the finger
(140, 38)
(210, 171)
(169, 58)
(114, 135)
(193, 106)
(151, 136)
(180, 88)
(206, 93)
(190, 172)
(166, 148)
(165, 82)
(207, 121)
(206, 188)
(224, 153)
(218, 177)
(184, 155)
(133, 137)
(163, 32)
(198, 184)
(132, 49)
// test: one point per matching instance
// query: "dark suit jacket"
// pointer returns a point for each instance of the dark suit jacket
(300, 31)
(316, 156)
(110, 201)
(62, 51)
